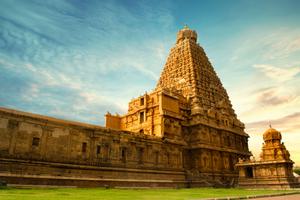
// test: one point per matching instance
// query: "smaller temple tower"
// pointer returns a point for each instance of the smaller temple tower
(273, 170)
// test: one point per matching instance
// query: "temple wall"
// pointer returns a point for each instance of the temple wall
(210, 161)
(157, 113)
(218, 138)
(206, 167)
(170, 103)
(213, 155)
(260, 174)
(112, 121)
(42, 139)
(274, 169)
(143, 116)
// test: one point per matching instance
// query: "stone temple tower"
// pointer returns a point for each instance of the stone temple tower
(273, 170)
(188, 70)
(191, 108)
(273, 148)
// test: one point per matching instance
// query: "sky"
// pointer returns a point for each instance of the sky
(78, 59)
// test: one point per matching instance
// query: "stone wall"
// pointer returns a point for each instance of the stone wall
(32, 145)
(36, 149)
(273, 170)
(264, 174)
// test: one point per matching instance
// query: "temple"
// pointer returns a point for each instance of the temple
(190, 107)
(184, 133)
(273, 170)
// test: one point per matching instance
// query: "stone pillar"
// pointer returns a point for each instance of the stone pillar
(13, 127)
(222, 161)
(46, 132)
(212, 161)
(92, 147)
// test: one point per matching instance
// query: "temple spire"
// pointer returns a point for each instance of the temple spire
(189, 71)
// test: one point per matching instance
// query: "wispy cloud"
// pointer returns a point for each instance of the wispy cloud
(277, 73)
(287, 124)
(272, 44)
(272, 97)
(76, 59)
(283, 47)
(271, 103)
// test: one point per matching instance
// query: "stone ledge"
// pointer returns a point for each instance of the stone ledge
(88, 179)
(47, 118)
(45, 181)
(76, 166)
(253, 196)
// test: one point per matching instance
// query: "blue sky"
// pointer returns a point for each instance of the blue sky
(79, 59)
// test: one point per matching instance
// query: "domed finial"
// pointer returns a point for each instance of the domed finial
(271, 134)
(270, 125)
(186, 33)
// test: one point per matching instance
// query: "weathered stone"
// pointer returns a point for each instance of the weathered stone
(273, 170)
(3, 183)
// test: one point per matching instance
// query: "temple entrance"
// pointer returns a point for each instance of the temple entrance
(249, 172)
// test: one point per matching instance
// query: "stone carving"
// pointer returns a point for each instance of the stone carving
(274, 169)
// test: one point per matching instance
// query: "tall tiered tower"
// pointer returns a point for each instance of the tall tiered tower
(188, 70)
(215, 136)
(190, 107)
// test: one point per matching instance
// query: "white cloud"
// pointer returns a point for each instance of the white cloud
(273, 96)
(6, 64)
(282, 46)
(270, 107)
(30, 67)
(271, 45)
(31, 92)
(277, 73)
(94, 98)
(71, 82)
